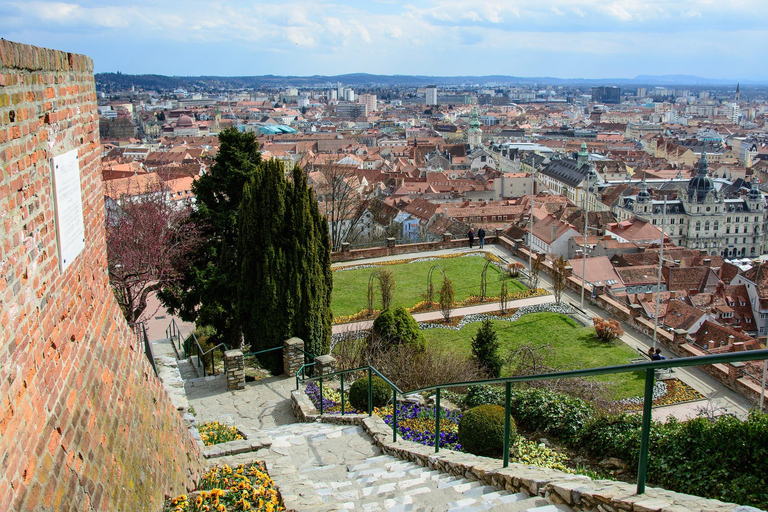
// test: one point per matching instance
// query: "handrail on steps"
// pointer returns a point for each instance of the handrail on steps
(649, 367)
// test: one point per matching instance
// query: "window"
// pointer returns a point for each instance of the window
(698, 225)
(717, 225)
(706, 226)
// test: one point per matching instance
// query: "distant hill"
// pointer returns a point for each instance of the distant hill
(359, 79)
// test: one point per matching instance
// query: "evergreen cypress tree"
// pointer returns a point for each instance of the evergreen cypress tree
(485, 348)
(285, 267)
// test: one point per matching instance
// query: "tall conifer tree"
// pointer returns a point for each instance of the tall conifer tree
(285, 272)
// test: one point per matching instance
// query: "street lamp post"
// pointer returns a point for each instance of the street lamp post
(530, 226)
(590, 176)
(658, 282)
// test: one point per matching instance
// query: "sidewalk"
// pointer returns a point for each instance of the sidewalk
(430, 316)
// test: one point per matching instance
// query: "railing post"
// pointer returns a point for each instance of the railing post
(507, 421)
(645, 435)
(394, 415)
(437, 421)
(342, 393)
(321, 395)
(370, 391)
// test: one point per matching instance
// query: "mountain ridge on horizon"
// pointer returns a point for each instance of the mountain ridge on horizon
(155, 80)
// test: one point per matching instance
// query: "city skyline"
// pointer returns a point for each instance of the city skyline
(583, 39)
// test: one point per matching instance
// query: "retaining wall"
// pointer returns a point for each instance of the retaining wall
(84, 422)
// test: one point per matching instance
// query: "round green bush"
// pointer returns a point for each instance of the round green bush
(481, 430)
(358, 393)
(398, 327)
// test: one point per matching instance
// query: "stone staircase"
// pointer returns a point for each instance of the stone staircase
(326, 467)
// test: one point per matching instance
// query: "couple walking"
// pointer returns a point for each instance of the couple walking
(480, 237)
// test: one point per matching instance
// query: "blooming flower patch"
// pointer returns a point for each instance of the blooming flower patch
(417, 423)
(214, 432)
(331, 399)
(224, 489)
(665, 392)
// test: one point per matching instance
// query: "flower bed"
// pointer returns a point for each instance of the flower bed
(665, 392)
(223, 489)
(416, 423)
(331, 399)
(214, 432)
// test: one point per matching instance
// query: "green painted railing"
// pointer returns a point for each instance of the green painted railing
(173, 333)
(648, 367)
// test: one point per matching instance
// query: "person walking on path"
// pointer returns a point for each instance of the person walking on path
(481, 237)
(471, 236)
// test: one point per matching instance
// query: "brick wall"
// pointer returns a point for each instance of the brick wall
(84, 422)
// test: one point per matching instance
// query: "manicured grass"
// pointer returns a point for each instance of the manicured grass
(569, 347)
(350, 287)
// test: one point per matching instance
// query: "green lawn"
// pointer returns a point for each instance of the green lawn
(570, 346)
(350, 287)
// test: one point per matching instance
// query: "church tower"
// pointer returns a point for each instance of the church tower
(475, 135)
(583, 158)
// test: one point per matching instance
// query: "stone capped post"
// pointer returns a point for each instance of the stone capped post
(391, 242)
(234, 367)
(293, 357)
(325, 364)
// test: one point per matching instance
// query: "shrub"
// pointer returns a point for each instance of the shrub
(446, 297)
(481, 430)
(485, 394)
(485, 348)
(612, 435)
(386, 286)
(398, 327)
(545, 411)
(607, 330)
(358, 393)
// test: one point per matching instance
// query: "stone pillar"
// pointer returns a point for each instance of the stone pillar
(344, 246)
(390, 242)
(447, 237)
(635, 310)
(680, 336)
(568, 271)
(234, 367)
(735, 370)
(325, 364)
(293, 357)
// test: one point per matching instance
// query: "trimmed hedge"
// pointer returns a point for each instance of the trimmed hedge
(358, 393)
(398, 327)
(481, 430)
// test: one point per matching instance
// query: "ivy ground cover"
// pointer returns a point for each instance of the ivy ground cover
(350, 287)
(558, 340)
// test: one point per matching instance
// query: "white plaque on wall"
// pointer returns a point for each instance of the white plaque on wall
(68, 200)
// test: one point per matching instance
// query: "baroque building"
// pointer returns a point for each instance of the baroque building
(703, 217)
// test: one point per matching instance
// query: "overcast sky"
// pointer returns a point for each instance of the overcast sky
(562, 38)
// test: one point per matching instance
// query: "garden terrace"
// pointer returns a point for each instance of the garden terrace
(350, 286)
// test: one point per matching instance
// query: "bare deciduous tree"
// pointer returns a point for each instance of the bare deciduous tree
(558, 277)
(149, 239)
(386, 287)
(344, 197)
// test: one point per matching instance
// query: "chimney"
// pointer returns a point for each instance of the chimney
(554, 233)
(707, 262)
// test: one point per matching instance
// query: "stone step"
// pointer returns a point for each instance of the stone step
(322, 466)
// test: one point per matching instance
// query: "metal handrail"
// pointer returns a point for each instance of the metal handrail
(172, 331)
(649, 367)
(140, 330)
